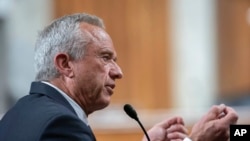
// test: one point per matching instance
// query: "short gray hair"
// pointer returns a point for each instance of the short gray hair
(62, 36)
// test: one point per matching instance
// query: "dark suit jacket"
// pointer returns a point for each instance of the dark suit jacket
(44, 115)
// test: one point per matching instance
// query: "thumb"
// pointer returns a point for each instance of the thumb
(230, 117)
(215, 112)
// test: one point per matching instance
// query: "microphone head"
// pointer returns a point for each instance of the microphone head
(130, 111)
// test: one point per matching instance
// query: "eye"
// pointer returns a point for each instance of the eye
(106, 57)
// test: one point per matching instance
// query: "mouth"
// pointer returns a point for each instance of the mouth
(110, 89)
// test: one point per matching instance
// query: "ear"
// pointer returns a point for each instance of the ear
(63, 64)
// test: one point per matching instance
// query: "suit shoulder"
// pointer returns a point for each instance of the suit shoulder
(66, 127)
(32, 114)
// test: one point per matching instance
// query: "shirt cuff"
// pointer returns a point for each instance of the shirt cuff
(187, 139)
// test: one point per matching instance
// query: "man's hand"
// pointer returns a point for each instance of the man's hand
(214, 126)
(172, 129)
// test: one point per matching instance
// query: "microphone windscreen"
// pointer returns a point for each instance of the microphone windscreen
(130, 111)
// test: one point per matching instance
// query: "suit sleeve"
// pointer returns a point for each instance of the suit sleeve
(67, 128)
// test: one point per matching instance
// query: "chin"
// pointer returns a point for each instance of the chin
(102, 104)
(105, 104)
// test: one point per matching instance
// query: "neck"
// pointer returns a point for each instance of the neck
(69, 90)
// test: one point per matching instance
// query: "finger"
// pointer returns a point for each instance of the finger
(214, 112)
(176, 135)
(180, 120)
(230, 117)
(171, 121)
(177, 128)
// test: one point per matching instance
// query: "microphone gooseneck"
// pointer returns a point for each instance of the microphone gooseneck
(130, 111)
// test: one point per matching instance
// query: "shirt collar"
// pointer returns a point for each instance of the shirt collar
(80, 113)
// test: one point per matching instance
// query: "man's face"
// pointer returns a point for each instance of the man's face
(96, 73)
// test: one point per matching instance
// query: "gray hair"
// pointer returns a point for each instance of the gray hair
(62, 36)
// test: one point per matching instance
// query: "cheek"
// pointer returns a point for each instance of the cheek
(92, 77)
(98, 74)
(90, 83)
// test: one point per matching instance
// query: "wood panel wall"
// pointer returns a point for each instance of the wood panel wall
(139, 32)
(234, 48)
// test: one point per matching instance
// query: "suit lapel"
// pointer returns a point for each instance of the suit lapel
(93, 136)
(41, 88)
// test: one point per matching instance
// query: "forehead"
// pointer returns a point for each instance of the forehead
(100, 40)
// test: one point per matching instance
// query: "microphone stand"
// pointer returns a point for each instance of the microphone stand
(130, 111)
(145, 132)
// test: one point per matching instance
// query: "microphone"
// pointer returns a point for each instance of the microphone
(130, 111)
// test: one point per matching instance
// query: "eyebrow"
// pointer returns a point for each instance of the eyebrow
(109, 52)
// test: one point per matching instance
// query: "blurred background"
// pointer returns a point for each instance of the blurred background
(179, 57)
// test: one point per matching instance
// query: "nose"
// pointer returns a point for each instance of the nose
(116, 72)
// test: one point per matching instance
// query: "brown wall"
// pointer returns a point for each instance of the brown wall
(234, 48)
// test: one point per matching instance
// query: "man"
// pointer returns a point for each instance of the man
(76, 70)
